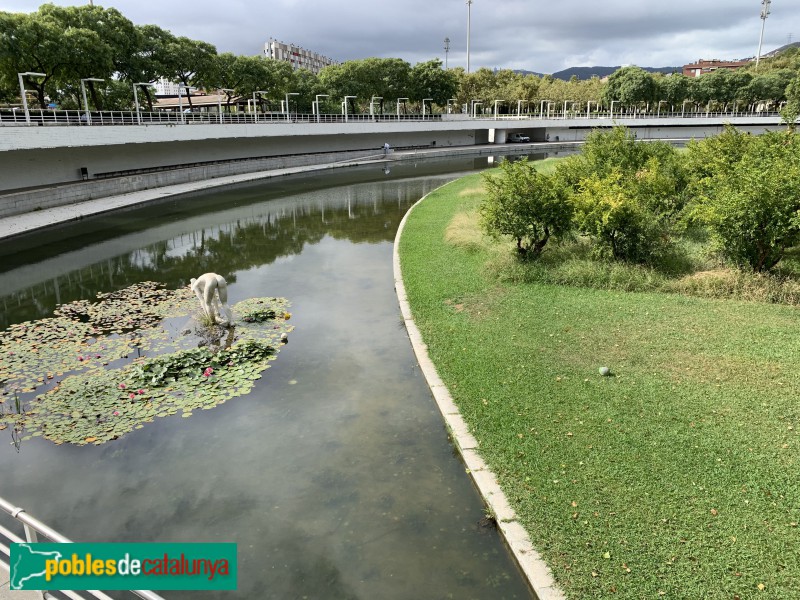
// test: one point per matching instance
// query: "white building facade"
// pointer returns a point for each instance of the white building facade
(298, 57)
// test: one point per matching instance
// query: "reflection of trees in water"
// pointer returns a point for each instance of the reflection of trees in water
(225, 249)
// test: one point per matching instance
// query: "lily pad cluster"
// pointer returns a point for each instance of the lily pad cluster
(96, 371)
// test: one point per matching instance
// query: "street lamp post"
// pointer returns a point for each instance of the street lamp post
(612, 108)
(475, 105)
(255, 103)
(372, 105)
(22, 92)
(136, 100)
(658, 112)
(496, 102)
(519, 107)
(549, 104)
(316, 104)
(469, 23)
(683, 107)
(346, 98)
(449, 105)
(182, 87)
(219, 101)
(589, 108)
(287, 103)
(85, 102)
(424, 100)
(398, 105)
(541, 108)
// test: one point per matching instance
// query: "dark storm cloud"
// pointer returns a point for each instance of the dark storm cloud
(539, 36)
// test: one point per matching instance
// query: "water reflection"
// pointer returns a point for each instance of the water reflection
(334, 476)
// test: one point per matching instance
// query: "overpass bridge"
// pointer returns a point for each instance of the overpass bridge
(124, 152)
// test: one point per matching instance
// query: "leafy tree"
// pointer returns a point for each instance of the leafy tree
(770, 86)
(430, 80)
(609, 210)
(189, 62)
(525, 204)
(629, 86)
(307, 84)
(674, 88)
(41, 42)
(628, 194)
(385, 77)
(753, 208)
(149, 62)
(791, 111)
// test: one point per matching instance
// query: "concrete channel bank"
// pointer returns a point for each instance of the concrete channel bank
(519, 543)
(53, 205)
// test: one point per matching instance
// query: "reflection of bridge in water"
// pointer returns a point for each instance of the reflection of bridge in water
(214, 239)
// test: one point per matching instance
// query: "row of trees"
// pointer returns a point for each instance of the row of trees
(633, 198)
(68, 44)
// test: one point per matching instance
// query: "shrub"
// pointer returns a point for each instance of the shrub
(753, 207)
(529, 206)
(609, 210)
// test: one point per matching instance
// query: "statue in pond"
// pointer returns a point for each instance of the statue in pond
(212, 291)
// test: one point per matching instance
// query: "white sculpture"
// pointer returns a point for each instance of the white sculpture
(212, 291)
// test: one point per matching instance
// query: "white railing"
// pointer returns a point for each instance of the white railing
(38, 117)
(49, 117)
(33, 528)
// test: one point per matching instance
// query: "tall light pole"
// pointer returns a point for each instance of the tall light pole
(346, 98)
(475, 105)
(469, 23)
(764, 14)
(287, 103)
(316, 104)
(136, 100)
(446, 51)
(255, 106)
(496, 102)
(398, 105)
(372, 105)
(22, 92)
(181, 87)
(85, 103)
(219, 101)
(424, 100)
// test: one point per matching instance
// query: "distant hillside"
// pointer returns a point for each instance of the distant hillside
(782, 48)
(589, 72)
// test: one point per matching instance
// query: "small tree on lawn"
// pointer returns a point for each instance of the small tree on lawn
(753, 210)
(526, 205)
(610, 210)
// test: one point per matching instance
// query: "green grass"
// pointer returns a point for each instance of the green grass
(678, 476)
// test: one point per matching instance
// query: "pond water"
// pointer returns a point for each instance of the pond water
(335, 476)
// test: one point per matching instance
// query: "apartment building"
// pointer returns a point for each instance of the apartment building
(298, 57)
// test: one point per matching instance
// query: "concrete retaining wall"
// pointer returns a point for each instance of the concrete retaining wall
(30, 200)
(26, 167)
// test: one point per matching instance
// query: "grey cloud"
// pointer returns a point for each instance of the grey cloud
(538, 36)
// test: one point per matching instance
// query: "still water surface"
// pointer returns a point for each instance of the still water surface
(334, 476)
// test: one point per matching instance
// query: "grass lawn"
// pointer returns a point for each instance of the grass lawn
(677, 476)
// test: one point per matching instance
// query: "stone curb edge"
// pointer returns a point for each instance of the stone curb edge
(530, 562)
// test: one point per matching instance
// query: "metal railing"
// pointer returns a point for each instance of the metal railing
(38, 117)
(50, 117)
(33, 528)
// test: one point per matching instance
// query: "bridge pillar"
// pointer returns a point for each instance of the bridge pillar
(500, 136)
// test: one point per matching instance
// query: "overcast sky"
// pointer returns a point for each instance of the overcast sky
(518, 34)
